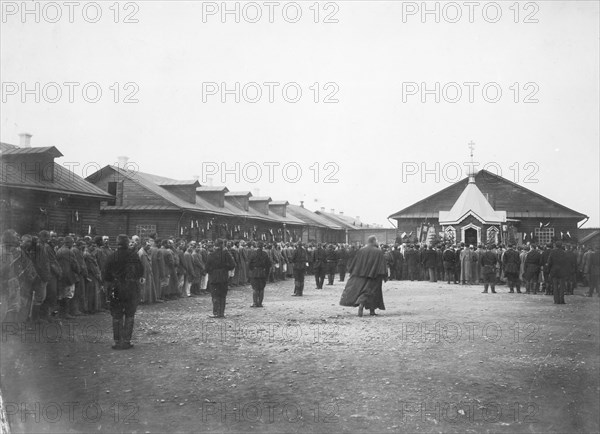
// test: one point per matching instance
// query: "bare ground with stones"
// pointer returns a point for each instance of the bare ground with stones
(441, 358)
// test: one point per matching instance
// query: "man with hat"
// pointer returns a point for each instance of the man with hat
(124, 272)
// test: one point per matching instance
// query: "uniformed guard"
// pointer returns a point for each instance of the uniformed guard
(124, 271)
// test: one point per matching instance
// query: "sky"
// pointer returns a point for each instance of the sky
(357, 128)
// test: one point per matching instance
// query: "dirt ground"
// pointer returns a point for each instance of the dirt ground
(441, 358)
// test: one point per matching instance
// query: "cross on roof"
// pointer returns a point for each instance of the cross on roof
(471, 147)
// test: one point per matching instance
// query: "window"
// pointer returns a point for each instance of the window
(544, 235)
(144, 231)
(492, 235)
(450, 234)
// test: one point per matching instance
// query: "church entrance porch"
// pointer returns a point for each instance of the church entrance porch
(470, 237)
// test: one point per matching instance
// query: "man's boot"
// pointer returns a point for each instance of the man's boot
(360, 310)
(485, 289)
(512, 290)
(117, 325)
(519, 289)
(493, 288)
(127, 333)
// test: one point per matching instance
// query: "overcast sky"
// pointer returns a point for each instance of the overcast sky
(366, 57)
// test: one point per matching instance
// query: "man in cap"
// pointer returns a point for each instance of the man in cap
(124, 272)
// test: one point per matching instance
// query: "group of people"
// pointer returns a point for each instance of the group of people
(44, 276)
(553, 269)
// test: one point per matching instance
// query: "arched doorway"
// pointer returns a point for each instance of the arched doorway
(471, 237)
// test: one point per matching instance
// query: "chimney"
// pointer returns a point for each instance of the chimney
(122, 161)
(25, 140)
(322, 209)
(341, 212)
(332, 211)
(302, 203)
(195, 177)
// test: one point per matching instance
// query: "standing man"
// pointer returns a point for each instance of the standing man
(331, 261)
(319, 262)
(430, 263)
(512, 264)
(412, 262)
(259, 267)
(488, 269)
(218, 265)
(592, 271)
(367, 273)
(124, 273)
(533, 261)
(37, 251)
(558, 271)
(449, 259)
(300, 263)
(547, 285)
(342, 258)
(69, 275)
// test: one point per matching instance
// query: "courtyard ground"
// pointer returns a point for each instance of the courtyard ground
(441, 358)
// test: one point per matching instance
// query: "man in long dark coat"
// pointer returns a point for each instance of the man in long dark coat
(300, 263)
(367, 272)
(123, 273)
(319, 265)
(512, 264)
(218, 265)
(558, 271)
(259, 266)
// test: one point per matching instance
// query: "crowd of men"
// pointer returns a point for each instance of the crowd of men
(45, 276)
(552, 269)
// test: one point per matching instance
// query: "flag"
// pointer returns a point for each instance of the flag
(568, 234)
(76, 215)
(89, 230)
(403, 234)
(546, 225)
(561, 234)
(524, 236)
(541, 224)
